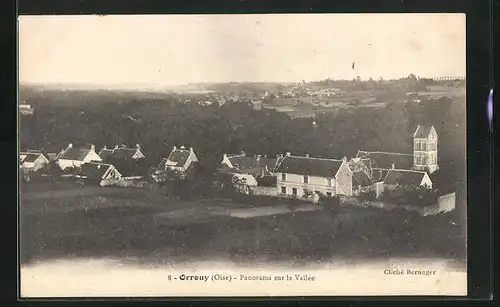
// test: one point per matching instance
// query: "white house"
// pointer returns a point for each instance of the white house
(32, 161)
(75, 157)
(179, 159)
(297, 176)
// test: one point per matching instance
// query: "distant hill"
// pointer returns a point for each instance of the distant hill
(77, 95)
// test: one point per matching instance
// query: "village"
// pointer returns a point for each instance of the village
(370, 178)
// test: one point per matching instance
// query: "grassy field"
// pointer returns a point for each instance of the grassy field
(131, 225)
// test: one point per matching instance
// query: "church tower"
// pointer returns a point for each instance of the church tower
(425, 149)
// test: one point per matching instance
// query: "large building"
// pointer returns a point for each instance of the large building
(299, 176)
(423, 158)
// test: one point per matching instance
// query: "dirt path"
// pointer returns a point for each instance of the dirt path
(83, 191)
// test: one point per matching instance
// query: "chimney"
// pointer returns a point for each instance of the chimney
(70, 145)
(288, 154)
(258, 157)
(224, 156)
(116, 146)
(191, 149)
(182, 147)
(105, 147)
(307, 155)
(243, 153)
(393, 166)
(92, 147)
(344, 159)
(174, 148)
(138, 146)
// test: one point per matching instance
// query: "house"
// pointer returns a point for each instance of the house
(97, 171)
(76, 156)
(297, 176)
(33, 161)
(179, 159)
(381, 162)
(130, 161)
(25, 109)
(425, 151)
(406, 178)
(255, 170)
(256, 104)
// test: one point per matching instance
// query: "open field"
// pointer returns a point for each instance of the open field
(130, 225)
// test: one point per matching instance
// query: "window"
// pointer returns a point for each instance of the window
(306, 179)
(329, 194)
(423, 146)
(416, 146)
(283, 177)
(329, 182)
(283, 190)
(423, 160)
(294, 191)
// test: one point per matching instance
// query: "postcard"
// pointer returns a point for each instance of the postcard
(242, 155)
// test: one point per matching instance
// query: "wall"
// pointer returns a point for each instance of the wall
(319, 184)
(344, 180)
(267, 191)
(123, 183)
(447, 202)
(63, 163)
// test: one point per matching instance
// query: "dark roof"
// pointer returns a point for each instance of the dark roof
(422, 131)
(106, 154)
(118, 153)
(77, 154)
(309, 166)
(252, 165)
(179, 156)
(161, 166)
(385, 160)
(93, 170)
(361, 178)
(404, 177)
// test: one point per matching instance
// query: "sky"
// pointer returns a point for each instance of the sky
(161, 50)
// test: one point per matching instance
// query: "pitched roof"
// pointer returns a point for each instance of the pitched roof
(120, 153)
(309, 166)
(178, 157)
(404, 177)
(162, 165)
(73, 153)
(385, 160)
(93, 170)
(361, 178)
(422, 131)
(252, 165)
(29, 157)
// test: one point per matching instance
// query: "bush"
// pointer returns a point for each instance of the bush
(368, 195)
(330, 202)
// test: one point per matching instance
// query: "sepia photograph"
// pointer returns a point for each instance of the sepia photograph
(242, 155)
